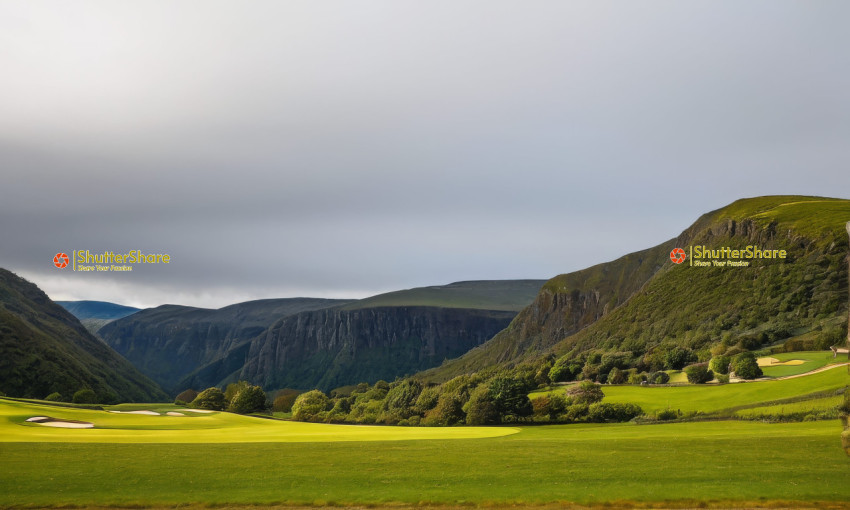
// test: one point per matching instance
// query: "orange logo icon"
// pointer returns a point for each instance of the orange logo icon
(677, 255)
(60, 260)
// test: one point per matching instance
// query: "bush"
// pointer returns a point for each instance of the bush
(85, 396)
(722, 378)
(250, 399)
(308, 406)
(186, 396)
(284, 400)
(585, 392)
(616, 376)
(637, 378)
(667, 414)
(678, 357)
(604, 412)
(211, 399)
(54, 397)
(449, 410)
(659, 378)
(698, 374)
(720, 364)
(565, 369)
(576, 412)
(746, 366)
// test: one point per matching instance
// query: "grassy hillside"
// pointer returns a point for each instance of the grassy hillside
(503, 295)
(643, 304)
(45, 349)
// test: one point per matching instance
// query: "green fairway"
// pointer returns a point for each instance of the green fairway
(812, 360)
(111, 427)
(747, 461)
(712, 398)
(789, 409)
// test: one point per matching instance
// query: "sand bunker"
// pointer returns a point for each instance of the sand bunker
(65, 424)
(148, 413)
(173, 413)
(199, 411)
(773, 362)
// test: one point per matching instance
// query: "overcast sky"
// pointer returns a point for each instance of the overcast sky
(342, 149)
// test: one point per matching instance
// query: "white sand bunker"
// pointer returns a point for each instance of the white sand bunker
(174, 413)
(773, 362)
(148, 413)
(199, 411)
(65, 424)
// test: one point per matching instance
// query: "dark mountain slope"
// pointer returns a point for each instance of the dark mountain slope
(97, 309)
(334, 347)
(169, 342)
(644, 300)
(45, 349)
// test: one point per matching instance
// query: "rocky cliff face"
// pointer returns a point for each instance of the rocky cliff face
(334, 347)
(169, 342)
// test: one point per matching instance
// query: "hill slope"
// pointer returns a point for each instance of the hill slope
(169, 342)
(643, 303)
(96, 309)
(505, 295)
(45, 349)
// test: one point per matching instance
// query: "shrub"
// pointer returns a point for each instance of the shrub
(234, 388)
(698, 374)
(576, 412)
(250, 399)
(54, 397)
(308, 406)
(585, 392)
(85, 396)
(186, 396)
(678, 357)
(659, 378)
(565, 369)
(637, 378)
(722, 378)
(615, 412)
(284, 400)
(210, 398)
(746, 367)
(667, 414)
(720, 364)
(449, 410)
(616, 376)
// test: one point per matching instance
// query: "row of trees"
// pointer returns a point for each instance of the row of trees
(240, 397)
(467, 399)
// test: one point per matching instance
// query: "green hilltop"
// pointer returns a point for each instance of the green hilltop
(643, 304)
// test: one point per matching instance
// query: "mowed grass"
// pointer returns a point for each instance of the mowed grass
(812, 360)
(713, 398)
(202, 428)
(792, 408)
(706, 461)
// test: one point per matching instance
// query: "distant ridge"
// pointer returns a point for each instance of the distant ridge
(97, 309)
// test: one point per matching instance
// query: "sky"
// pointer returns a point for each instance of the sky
(343, 149)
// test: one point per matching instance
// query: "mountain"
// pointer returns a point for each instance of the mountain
(96, 314)
(45, 349)
(169, 342)
(337, 346)
(96, 309)
(643, 304)
(304, 343)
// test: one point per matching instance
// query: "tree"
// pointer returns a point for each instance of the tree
(659, 377)
(678, 357)
(616, 376)
(186, 396)
(211, 399)
(449, 410)
(54, 397)
(698, 374)
(308, 406)
(614, 412)
(85, 396)
(746, 366)
(402, 397)
(234, 388)
(720, 364)
(480, 409)
(585, 392)
(509, 397)
(284, 400)
(251, 399)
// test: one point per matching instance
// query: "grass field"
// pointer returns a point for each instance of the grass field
(788, 409)
(201, 428)
(714, 398)
(812, 360)
(707, 461)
